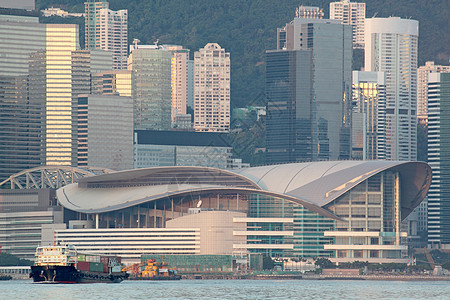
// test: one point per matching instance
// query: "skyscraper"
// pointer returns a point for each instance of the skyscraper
(179, 78)
(439, 159)
(60, 143)
(106, 29)
(152, 93)
(391, 47)
(290, 107)
(212, 89)
(351, 13)
(422, 88)
(330, 45)
(368, 115)
(22, 102)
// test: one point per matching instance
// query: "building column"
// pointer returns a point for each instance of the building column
(96, 221)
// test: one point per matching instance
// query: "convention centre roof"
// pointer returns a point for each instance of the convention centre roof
(312, 184)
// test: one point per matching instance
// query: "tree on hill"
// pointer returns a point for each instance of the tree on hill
(247, 29)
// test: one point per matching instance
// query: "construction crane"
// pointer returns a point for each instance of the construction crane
(134, 269)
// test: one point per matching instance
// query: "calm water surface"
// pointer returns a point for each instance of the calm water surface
(229, 289)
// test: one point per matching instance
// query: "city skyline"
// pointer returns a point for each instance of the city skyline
(163, 118)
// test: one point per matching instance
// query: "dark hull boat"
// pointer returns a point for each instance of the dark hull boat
(69, 274)
(62, 264)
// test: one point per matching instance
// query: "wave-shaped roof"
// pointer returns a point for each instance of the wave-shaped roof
(313, 184)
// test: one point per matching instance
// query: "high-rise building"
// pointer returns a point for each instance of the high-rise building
(422, 88)
(60, 144)
(105, 131)
(152, 93)
(290, 107)
(439, 159)
(106, 29)
(212, 89)
(179, 78)
(330, 45)
(92, 21)
(391, 47)
(368, 128)
(351, 13)
(68, 74)
(22, 102)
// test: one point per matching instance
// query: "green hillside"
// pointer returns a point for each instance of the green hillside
(247, 28)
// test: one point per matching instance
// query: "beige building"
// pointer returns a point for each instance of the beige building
(107, 30)
(218, 232)
(212, 89)
(61, 40)
(351, 13)
(179, 73)
(422, 88)
(68, 74)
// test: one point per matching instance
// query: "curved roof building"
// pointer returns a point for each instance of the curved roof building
(313, 184)
(305, 209)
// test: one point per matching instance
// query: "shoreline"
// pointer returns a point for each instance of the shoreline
(315, 277)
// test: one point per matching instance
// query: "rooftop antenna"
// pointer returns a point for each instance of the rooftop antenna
(157, 42)
(199, 203)
(375, 14)
(135, 42)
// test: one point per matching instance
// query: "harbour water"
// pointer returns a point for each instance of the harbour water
(230, 289)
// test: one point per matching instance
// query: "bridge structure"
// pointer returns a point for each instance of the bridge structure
(50, 177)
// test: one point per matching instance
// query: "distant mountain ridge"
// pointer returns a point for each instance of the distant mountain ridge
(247, 29)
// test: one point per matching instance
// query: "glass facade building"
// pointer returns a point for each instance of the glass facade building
(368, 115)
(22, 100)
(290, 108)
(330, 43)
(152, 93)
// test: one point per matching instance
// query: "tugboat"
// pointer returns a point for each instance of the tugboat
(62, 264)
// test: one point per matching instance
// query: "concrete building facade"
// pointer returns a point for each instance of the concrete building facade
(351, 13)
(422, 88)
(212, 89)
(107, 30)
(105, 131)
